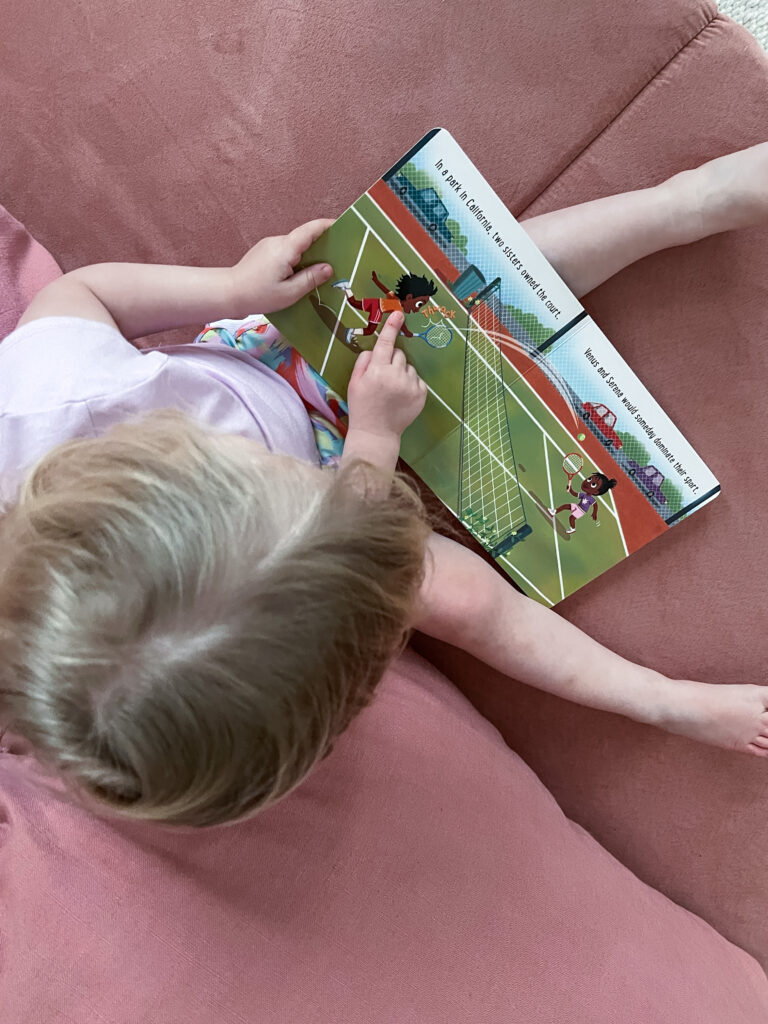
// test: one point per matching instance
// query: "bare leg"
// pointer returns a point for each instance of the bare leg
(591, 242)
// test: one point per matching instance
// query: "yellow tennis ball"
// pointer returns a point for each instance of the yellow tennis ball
(581, 437)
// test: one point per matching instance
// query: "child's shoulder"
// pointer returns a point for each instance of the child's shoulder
(55, 361)
(58, 378)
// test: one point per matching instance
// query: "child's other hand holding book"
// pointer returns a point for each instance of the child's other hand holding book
(266, 278)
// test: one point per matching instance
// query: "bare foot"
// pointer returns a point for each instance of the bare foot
(726, 193)
(731, 716)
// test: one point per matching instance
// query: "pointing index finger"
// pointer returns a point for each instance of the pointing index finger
(384, 348)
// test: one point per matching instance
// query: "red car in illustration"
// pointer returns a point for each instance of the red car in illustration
(604, 420)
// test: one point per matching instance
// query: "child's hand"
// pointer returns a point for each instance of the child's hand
(264, 279)
(143, 299)
(385, 394)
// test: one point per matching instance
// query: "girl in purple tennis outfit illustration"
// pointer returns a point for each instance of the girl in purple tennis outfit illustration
(591, 487)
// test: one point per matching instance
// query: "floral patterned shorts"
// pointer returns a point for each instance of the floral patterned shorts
(326, 409)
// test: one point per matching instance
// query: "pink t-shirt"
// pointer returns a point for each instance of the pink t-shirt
(62, 377)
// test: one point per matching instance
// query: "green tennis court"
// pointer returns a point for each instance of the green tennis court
(486, 444)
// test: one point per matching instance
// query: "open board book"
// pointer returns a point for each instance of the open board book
(535, 434)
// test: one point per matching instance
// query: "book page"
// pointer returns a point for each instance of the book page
(536, 434)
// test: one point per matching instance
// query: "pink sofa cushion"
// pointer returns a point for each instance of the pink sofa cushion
(423, 873)
(688, 819)
(25, 267)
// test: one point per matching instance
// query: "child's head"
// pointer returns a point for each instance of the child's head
(598, 483)
(414, 291)
(187, 621)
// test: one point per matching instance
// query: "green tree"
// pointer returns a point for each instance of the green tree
(536, 330)
(417, 177)
(674, 496)
(634, 449)
(422, 179)
(459, 240)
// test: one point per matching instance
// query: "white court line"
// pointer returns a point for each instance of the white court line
(514, 568)
(479, 440)
(526, 410)
(344, 299)
(506, 469)
(554, 521)
(463, 335)
(610, 507)
(450, 409)
(522, 377)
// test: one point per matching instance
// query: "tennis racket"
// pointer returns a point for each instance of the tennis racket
(437, 335)
(572, 465)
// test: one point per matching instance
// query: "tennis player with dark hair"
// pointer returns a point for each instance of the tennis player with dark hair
(412, 292)
(591, 487)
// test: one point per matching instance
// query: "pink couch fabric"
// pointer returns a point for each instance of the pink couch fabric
(424, 866)
(187, 130)
(25, 267)
(688, 819)
(422, 874)
(183, 132)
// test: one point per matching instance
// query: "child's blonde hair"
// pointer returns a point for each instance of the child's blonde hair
(187, 621)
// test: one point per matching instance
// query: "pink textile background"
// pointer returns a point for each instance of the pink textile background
(688, 819)
(25, 267)
(422, 874)
(183, 132)
(187, 130)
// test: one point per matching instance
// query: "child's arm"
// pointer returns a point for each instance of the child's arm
(466, 603)
(378, 284)
(385, 394)
(142, 299)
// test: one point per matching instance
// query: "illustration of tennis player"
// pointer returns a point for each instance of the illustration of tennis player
(412, 292)
(591, 487)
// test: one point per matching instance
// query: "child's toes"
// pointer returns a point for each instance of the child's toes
(761, 741)
(758, 751)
